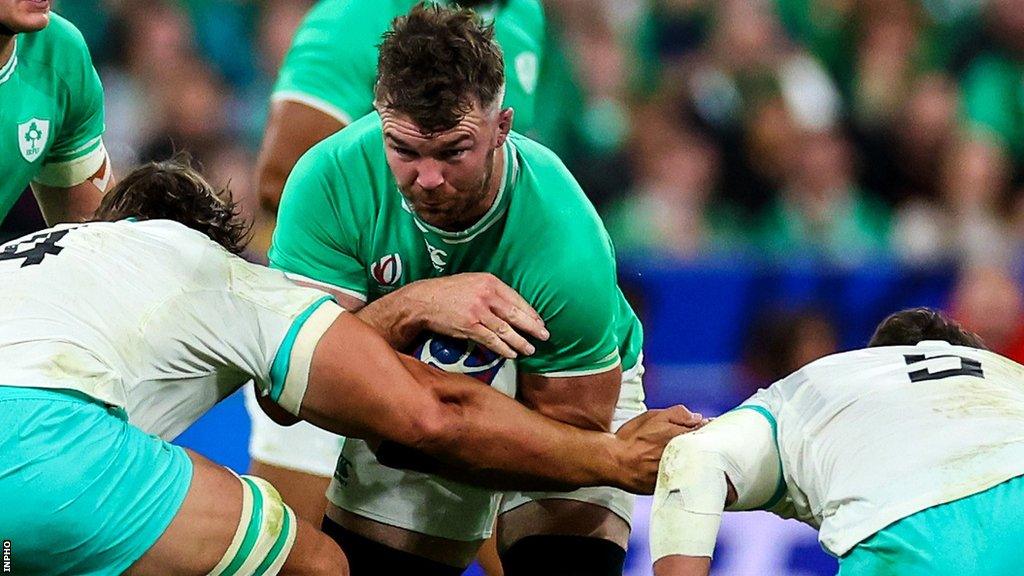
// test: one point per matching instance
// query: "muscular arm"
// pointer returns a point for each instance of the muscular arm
(359, 387)
(74, 203)
(292, 129)
(586, 402)
(472, 306)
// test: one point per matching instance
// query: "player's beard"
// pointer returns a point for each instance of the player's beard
(474, 204)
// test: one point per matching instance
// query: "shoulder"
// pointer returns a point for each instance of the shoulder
(60, 44)
(551, 202)
(357, 148)
(525, 14)
(344, 24)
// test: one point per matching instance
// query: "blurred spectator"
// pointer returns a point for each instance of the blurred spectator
(821, 211)
(669, 212)
(988, 300)
(782, 340)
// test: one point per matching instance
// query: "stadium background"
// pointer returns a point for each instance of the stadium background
(777, 175)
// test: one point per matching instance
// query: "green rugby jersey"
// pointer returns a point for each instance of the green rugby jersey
(343, 222)
(51, 112)
(332, 63)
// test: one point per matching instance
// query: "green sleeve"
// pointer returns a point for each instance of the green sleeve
(332, 63)
(576, 293)
(989, 96)
(316, 236)
(82, 126)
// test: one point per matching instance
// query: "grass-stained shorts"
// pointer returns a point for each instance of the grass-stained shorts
(980, 535)
(82, 491)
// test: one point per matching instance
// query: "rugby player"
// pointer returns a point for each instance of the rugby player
(907, 456)
(51, 125)
(142, 321)
(389, 214)
(325, 83)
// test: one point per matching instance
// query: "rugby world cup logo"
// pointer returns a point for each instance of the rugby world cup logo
(388, 270)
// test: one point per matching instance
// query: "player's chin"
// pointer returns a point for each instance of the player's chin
(30, 16)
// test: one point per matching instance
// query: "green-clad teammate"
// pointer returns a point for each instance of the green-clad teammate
(51, 116)
(391, 214)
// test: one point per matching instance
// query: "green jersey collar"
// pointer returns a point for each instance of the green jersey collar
(7, 70)
(486, 12)
(494, 213)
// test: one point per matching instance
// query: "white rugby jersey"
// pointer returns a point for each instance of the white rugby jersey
(150, 316)
(872, 436)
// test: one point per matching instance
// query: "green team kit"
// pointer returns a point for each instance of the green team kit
(51, 119)
(344, 222)
(332, 63)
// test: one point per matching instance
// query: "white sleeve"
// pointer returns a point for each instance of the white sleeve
(692, 481)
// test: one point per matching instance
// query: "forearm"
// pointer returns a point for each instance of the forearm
(396, 317)
(494, 441)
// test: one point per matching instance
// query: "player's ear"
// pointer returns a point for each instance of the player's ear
(504, 125)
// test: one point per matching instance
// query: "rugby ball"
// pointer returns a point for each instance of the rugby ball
(467, 357)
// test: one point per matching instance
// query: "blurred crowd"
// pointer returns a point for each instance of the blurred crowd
(836, 129)
(845, 130)
(841, 131)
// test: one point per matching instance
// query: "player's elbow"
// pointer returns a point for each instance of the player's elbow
(270, 187)
(432, 430)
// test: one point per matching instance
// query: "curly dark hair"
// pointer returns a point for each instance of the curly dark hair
(908, 327)
(435, 64)
(174, 190)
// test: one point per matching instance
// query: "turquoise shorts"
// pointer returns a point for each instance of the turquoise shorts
(980, 535)
(82, 491)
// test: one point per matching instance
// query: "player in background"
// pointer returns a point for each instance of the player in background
(143, 320)
(390, 214)
(907, 456)
(51, 116)
(326, 80)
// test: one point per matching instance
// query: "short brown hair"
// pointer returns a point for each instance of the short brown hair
(908, 327)
(435, 63)
(174, 190)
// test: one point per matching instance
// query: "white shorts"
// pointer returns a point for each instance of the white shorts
(447, 509)
(302, 447)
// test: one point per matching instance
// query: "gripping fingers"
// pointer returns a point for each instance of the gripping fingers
(518, 312)
(489, 338)
(681, 416)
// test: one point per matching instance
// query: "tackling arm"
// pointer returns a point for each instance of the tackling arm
(357, 386)
(75, 203)
(731, 463)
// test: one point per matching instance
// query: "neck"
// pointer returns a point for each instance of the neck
(6, 45)
(491, 186)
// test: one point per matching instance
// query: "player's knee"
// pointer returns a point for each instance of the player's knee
(265, 534)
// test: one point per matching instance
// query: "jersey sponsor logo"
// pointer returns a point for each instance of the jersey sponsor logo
(438, 257)
(388, 270)
(32, 138)
(526, 69)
